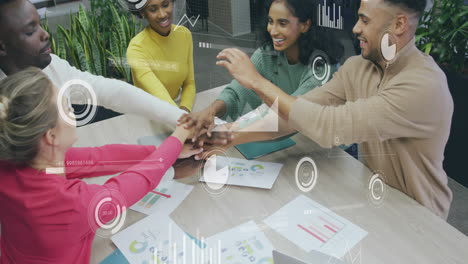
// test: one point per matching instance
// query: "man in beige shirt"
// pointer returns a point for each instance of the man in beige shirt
(393, 100)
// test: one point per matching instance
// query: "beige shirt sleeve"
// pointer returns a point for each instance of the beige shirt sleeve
(397, 110)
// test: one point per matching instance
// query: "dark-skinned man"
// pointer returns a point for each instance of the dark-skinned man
(24, 43)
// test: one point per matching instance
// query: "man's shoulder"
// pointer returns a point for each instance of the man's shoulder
(422, 68)
(355, 66)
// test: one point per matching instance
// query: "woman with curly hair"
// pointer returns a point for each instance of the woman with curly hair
(289, 42)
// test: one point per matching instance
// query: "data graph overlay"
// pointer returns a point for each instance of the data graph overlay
(330, 16)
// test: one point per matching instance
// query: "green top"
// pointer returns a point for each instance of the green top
(294, 79)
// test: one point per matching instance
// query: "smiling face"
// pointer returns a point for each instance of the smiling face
(374, 20)
(22, 39)
(284, 28)
(159, 15)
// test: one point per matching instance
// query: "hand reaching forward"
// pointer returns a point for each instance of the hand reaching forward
(239, 66)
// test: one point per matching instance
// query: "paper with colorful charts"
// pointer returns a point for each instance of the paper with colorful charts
(157, 239)
(312, 226)
(164, 199)
(245, 243)
(250, 173)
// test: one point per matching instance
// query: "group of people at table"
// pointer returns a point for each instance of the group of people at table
(400, 106)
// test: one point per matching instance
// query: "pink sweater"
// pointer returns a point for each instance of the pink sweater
(44, 217)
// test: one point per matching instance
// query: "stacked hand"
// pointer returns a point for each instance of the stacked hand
(188, 150)
(201, 122)
(202, 125)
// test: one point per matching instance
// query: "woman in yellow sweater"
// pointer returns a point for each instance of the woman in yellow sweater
(161, 56)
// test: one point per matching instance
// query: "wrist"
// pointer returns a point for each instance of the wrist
(218, 108)
(257, 84)
(181, 134)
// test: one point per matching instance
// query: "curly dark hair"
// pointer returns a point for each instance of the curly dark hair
(416, 6)
(317, 38)
(132, 9)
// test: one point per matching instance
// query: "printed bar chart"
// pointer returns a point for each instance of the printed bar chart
(322, 227)
(152, 197)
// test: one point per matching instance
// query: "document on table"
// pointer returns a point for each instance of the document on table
(243, 244)
(157, 239)
(241, 172)
(312, 226)
(164, 199)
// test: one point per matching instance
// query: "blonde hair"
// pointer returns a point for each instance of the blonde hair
(26, 113)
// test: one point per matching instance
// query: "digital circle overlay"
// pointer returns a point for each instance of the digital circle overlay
(88, 98)
(306, 174)
(107, 212)
(377, 189)
(214, 180)
(319, 65)
(388, 47)
(133, 5)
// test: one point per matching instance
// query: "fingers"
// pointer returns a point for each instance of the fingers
(216, 141)
(194, 151)
(201, 156)
(237, 53)
(210, 128)
(190, 123)
(184, 118)
(200, 132)
(224, 64)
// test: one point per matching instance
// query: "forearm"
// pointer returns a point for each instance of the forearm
(270, 93)
(105, 160)
(261, 130)
(181, 133)
(187, 97)
(125, 98)
(218, 108)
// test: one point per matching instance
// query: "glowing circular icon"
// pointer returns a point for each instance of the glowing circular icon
(107, 212)
(213, 174)
(377, 189)
(388, 46)
(319, 64)
(306, 169)
(89, 100)
(133, 5)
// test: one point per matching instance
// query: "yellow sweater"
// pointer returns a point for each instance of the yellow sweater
(163, 65)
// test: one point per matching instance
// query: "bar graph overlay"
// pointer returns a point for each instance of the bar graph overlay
(330, 18)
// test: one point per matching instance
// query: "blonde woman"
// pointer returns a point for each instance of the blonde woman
(45, 215)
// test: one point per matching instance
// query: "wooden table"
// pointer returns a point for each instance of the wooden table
(399, 231)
